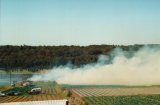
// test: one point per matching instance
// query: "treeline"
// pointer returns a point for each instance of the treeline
(46, 57)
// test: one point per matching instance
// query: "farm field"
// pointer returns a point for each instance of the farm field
(119, 95)
(50, 91)
(87, 92)
(123, 100)
(28, 98)
(47, 94)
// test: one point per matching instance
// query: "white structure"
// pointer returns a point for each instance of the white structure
(45, 102)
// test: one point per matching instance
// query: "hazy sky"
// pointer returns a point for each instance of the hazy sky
(79, 22)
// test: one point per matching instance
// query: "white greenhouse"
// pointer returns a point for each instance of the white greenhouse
(46, 102)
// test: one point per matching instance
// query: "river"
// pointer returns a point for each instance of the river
(6, 79)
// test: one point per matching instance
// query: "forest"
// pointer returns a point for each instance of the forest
(47, 57)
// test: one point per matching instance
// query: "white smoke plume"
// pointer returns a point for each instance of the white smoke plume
(143, 68)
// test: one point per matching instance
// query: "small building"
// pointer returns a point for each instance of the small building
(45, 102)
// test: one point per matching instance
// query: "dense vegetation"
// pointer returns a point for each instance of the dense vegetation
(123, 100)
(46, 57)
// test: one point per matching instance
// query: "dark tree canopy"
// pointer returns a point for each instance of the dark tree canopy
(46, 57)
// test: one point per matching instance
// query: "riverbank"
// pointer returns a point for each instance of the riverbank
(23, 72)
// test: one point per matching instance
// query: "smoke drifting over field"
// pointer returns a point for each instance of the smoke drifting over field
(142, 68)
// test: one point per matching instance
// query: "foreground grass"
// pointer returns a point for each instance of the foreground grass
(3, 88)
(123, 100)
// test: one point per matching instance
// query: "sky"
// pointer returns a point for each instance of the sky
(79, 22)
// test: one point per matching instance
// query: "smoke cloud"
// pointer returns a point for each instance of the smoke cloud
(142, 68)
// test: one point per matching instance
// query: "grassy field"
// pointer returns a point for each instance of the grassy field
(3, 88)
(123, 100)
(107, 86)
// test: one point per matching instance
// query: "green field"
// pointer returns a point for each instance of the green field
(123, 100)
(106, 86)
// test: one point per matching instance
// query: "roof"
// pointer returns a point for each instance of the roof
(46, 102)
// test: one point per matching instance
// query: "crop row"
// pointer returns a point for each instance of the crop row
(47, 94)
(27, 98)
(85, 92)
(123, 100)
(48, 90)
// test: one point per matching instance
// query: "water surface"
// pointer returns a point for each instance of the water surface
(7, 79)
